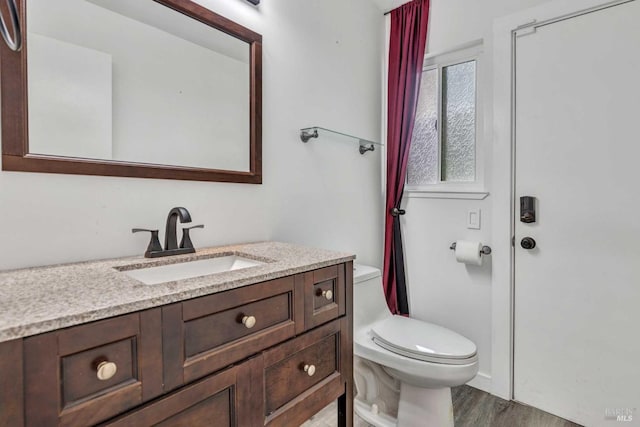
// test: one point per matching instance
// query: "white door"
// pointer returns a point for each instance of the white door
(577, 293)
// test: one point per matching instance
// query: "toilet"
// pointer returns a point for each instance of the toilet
(403, 368)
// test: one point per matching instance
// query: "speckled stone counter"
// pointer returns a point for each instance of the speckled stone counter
(42, 299)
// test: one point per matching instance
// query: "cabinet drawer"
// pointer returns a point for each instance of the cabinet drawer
(86, 374)
(221, 400)
(206, 334)
(297, 370)
(324, 295)
(81, 372)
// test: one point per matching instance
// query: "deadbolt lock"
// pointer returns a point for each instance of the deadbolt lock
(528, 243)
(527, 209)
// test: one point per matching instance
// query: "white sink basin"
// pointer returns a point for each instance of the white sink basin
(187, 270)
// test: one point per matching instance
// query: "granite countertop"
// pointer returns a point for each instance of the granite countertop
(42, 299)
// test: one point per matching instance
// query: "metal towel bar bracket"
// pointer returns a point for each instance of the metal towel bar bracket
(15, 43)
(486, 250)
(366, 147)
(305, 136)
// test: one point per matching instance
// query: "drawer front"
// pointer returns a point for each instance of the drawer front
(80, 371)
(324, 295)
(209, 333)
(204, 333)
(223, 399)
(301, 364)
(86, 374)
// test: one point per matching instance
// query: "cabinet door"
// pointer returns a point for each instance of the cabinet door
(230, 398)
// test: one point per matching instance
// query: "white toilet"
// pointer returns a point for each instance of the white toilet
(404, 365)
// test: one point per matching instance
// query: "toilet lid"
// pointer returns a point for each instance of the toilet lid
(423, 341)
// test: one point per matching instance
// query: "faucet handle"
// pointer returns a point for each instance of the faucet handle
(193, 226)
(154, 243)
(186, 243)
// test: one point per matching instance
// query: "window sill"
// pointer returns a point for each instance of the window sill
(432, 194)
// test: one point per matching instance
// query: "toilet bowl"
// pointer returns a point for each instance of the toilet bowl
(406, 359)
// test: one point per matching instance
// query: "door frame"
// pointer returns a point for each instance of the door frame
(505, 31)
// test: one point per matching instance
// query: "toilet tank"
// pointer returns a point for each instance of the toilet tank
(369, 304)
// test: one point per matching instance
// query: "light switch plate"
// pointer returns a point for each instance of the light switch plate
(473, 219)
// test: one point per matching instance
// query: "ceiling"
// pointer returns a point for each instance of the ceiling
(387, 5)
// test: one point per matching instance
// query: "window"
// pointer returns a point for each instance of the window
(443, 149)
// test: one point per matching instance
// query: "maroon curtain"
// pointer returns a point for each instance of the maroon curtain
(406, 54)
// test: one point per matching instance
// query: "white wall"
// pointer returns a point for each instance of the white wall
(441, 290)
(321, 67)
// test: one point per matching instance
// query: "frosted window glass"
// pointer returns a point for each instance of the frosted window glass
(423, 154)
(459, 127)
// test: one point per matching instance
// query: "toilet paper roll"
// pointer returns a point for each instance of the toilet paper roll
(468, 252)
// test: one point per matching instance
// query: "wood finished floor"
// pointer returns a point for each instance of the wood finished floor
(473, 408)
(476, 408)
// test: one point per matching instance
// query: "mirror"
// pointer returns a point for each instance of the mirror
(146, 88)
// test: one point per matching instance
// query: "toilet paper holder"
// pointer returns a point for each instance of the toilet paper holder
(486, 250)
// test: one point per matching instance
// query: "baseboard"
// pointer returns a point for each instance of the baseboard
(482, 382)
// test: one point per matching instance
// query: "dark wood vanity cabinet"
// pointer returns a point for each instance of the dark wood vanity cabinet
(273, 353)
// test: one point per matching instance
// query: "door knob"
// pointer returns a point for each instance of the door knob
(528, 243)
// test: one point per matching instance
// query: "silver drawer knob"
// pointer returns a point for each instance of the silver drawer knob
(310, 369)
(106, 370)
(249, 321)
(328, 295)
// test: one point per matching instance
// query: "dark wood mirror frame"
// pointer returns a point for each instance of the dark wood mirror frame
(15, 129)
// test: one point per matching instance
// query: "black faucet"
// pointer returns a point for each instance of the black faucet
(171, 239)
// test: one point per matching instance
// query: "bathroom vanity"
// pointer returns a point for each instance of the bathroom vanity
(270, 344)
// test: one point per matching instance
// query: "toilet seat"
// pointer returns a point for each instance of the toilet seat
(423, 341)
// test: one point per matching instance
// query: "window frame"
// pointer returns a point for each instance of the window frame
(471, 51)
